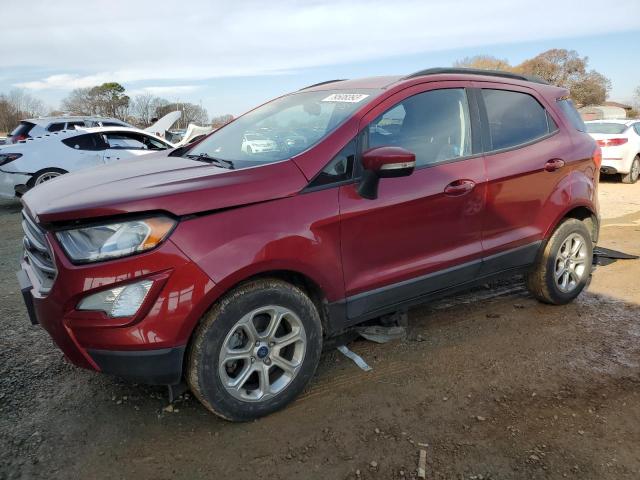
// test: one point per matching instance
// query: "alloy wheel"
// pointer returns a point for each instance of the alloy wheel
(45, 177)
(262, 353)
(571, 263)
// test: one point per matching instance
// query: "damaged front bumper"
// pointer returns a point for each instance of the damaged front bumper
(13, 185)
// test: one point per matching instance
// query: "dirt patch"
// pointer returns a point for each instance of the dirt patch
(493, 385)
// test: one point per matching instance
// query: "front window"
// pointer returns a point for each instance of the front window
(433, 125)
(282, 128)
(606, 128)
(133, 141)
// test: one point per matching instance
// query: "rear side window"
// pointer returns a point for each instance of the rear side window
(515, 118)
(89, 141)
(56, 127)
(571, 114)
(22, 129)
(607, 128)
(73, 125)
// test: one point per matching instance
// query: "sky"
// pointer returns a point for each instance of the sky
(231, 56)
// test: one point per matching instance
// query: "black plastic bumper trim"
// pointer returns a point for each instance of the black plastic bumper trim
(153, 367)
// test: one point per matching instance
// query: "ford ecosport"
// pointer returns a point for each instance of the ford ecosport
(227, 267)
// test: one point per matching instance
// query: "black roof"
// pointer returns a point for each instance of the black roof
(324, 83)
(477, 71)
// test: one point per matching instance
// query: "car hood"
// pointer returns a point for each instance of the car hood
(159, 182)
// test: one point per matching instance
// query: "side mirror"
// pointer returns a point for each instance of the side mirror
(384, 162)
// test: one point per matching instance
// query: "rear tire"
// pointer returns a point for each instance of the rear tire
(634, 172)
(563, 268)
(45, 175)
(255, 350)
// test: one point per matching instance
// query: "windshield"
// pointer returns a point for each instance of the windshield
(613, 128)
(282, 128)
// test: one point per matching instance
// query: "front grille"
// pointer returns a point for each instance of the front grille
(38, 255)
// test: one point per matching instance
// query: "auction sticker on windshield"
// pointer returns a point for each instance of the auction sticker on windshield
(345, 97)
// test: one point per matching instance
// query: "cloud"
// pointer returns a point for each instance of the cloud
(193, 40)
(165, 90)
(67, 81)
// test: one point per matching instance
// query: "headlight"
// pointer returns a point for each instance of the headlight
(114, 240)
(8, 157)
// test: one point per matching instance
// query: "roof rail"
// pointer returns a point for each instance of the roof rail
(478, 71)
(323, 83)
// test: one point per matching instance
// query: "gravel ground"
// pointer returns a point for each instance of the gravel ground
(493, 385)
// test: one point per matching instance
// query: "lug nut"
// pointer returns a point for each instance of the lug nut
(253, 359)
(267, 361)
(271, 344)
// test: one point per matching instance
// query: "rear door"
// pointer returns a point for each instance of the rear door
(423, 232)
(528, 164)
(89, 148)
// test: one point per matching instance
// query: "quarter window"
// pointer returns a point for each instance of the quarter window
(571, 114)
(434, 125)
(514, 118)
(339, 169)
(88, 141)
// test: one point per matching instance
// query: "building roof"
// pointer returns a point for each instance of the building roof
(616, 104)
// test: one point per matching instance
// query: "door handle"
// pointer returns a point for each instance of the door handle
(459, 187)
(553, 165)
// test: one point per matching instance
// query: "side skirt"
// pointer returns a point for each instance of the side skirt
(367, 305)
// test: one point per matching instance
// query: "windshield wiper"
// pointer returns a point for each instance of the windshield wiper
(205, 157)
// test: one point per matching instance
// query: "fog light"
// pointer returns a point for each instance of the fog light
(123, 301)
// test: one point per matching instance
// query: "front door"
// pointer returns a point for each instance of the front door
(423, 232)
(126, 145)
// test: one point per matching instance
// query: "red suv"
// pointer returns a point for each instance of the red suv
(226, 264)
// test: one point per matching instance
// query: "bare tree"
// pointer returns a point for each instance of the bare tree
(16, 106)
(591, 89)
(636, 99)
(191, 113)
(557, 66)
(566, 68)
(483, 62)
(221, 121)
(107, 100)
(144, 108)
(79, 102)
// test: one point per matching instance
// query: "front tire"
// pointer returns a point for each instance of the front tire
(255, 350)
(634, 171)
(563, 268)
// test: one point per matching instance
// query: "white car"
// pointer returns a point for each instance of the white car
(30, 162)
(34, 127)
(257, 143)
(620, 144)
